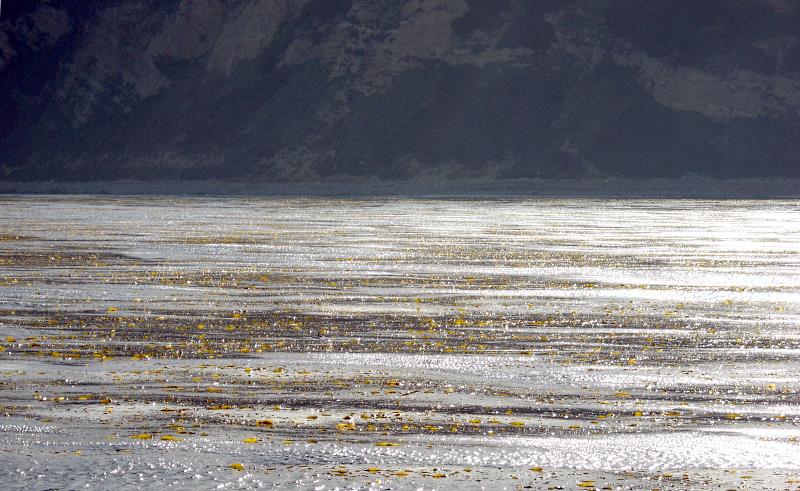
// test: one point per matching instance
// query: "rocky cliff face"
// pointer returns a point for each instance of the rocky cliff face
(312, 89)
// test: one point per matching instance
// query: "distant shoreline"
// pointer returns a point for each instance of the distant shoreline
(695, 188)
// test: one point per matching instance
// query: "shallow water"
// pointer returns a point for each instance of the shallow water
(399, 343)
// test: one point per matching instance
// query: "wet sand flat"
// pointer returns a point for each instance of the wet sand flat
(314, 343)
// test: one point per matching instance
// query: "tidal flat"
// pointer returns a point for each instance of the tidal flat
(368, 343)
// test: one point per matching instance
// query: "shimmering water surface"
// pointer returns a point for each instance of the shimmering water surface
(316, 343)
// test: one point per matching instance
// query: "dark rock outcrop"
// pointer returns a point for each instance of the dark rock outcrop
(311, 89)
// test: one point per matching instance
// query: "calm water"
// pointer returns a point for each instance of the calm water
(399, 343)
